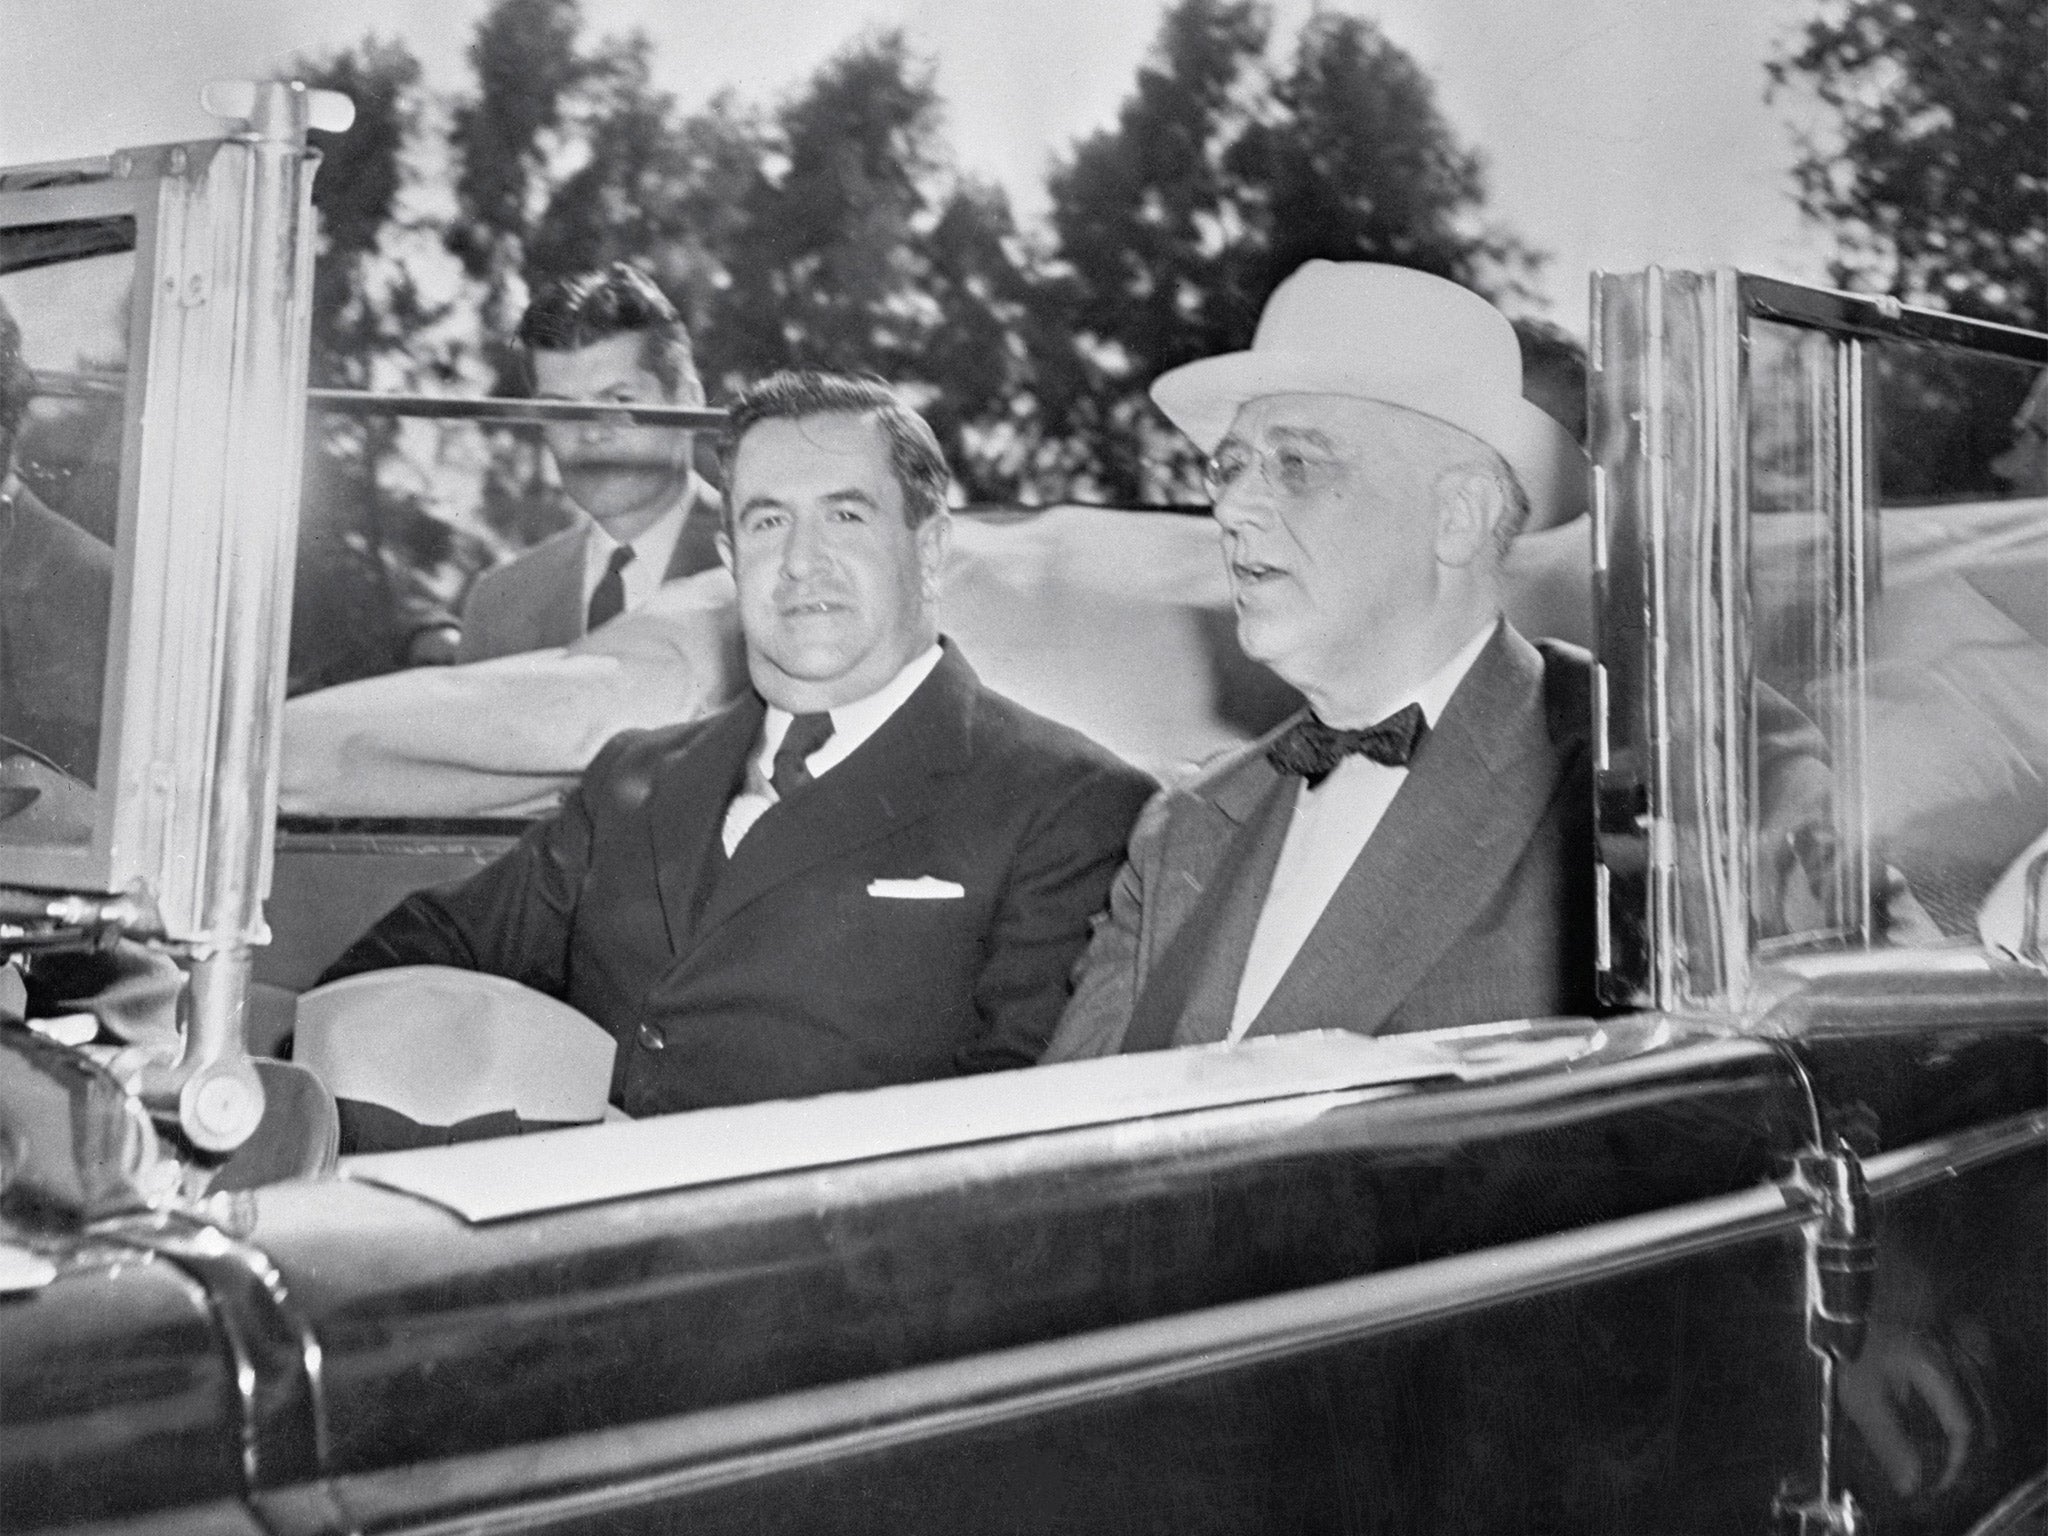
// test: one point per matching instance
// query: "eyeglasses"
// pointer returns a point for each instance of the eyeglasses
(1287, 470)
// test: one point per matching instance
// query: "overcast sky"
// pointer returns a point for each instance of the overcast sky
(1618, 132)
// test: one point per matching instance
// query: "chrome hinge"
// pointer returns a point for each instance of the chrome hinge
(1841, 1271)
(1807, 1516)
(1841, 1252)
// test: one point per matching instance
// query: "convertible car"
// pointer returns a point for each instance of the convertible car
(1765, 1250)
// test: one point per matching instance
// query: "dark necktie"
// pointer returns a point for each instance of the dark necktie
(608, 599)
(1313, 750)
(805, 735)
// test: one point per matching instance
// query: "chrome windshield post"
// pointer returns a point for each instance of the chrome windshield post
(190, 369)
(1841, 1273)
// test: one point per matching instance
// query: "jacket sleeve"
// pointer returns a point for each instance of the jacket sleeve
(512, 918)
(1056, 885)
(1111, 972)
(507, 737)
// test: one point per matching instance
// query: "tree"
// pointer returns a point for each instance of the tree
(364, 304)
(853, 245)
(505, 136)
(1222, 174)
(663, 194)
(1935, 177)
(1935, 182)
(370, 557)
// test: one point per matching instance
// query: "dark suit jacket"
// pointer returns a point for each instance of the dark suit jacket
(783, 973)
(535, 601)
(56, 600)
(1472, 901)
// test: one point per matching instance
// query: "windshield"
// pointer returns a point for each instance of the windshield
(64, 295)
(1933, 529)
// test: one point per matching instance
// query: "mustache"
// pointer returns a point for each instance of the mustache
(802, 597)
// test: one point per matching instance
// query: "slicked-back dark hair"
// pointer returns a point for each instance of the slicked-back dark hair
(915, 458)
(572, 312)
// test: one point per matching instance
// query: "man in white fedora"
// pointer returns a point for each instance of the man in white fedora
(1414, 850)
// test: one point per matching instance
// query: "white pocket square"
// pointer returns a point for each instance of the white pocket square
(923, 888)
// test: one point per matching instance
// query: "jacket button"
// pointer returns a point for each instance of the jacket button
(650, 1038)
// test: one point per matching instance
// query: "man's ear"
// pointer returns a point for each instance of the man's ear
(722, 542)
(934, 539)
(1469, 507)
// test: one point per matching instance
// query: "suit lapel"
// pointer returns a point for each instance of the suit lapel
(890, 782)
(1215, 861)
(696, 547)
(1199, 838)
(1190, 993)
(1477, 791)
(686, 812)
(558, 617)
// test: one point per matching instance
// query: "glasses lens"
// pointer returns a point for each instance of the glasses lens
(1224, 469)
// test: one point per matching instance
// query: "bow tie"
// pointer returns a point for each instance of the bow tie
(1313, 750)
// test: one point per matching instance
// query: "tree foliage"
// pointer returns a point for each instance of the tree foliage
(374, 562)
(1225, 171)
(856, 247)
(363, 301)
(830, 231)
(1935, 176)
(527, 62)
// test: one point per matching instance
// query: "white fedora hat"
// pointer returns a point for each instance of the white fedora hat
(441, 1045)
(1395, 335)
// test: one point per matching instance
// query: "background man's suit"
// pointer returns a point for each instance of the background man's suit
(535, 601)
(782, 972)
(1472, 900)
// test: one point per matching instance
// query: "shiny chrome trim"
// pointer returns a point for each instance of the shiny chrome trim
(275, 1354)
(706, 1450)
(1618, 388)
(1890, 1175)
(1719, 624)
(1876, 992)
(1885, 318)
(2016, 1511)
(1663, 874)
(1854, 506)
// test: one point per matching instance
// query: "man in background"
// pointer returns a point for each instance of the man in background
(609, 337)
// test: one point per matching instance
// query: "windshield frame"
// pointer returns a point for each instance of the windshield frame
(1672, 392)
(106, 861)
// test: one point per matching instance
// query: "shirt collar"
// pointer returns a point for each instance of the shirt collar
(854, 723)
(1435, 694)
(655, 546)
